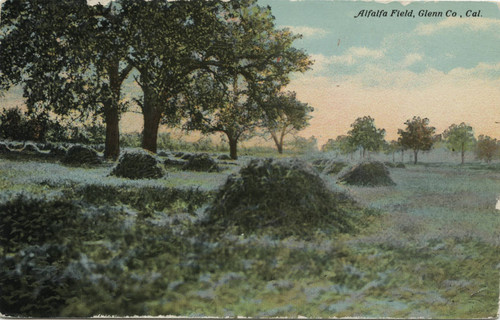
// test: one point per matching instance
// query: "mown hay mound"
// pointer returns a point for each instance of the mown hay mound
(174, 163)
(4, 148)
(370, 174)
(57, 151)
(201, 162)
(334, 167)
(81, 155)
(30, 148)
(138, 165)
(281, 197)
(390, 164)
(224, 157)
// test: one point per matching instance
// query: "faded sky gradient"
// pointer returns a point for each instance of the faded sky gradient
(446, 69)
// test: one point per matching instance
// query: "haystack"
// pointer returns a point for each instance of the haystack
(4, 148)
(138, 165)
(80, 156)
(281, 197)
(370, 174)
(201, 162)
(334, 167)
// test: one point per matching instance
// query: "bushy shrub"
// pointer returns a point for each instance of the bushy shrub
(287, 197)
(400, 165)
(370, 173)
(81, 155)
(201, 162)
(138, 165)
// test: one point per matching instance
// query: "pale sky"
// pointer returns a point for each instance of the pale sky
(391, 68)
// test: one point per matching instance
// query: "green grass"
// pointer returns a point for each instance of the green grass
(431, 251)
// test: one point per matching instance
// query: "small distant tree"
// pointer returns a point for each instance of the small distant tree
(345, 145)
(365, 135)
(486, 148)
(284, 114)
(330, 145)
(304, 145)
(459, 138)
(417, 136)
(391, 148)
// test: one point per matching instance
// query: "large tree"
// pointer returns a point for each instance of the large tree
(417, 136)
(459, 138)
(254, 64)
(67, 56)
(284, 114)
(167, 42)
(365, 135)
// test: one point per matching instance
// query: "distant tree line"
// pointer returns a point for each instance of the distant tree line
(212, 66)
(417, 136)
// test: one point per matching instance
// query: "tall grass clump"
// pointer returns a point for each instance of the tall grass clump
(138, 165)
(283, 198)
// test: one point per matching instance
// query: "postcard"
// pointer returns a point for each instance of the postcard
(249, 158)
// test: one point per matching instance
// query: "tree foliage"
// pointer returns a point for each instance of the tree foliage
(417, 136)
(486, 148)
(67, 56)
(253, 64)
(284, 114)
(364, 134)
(459, 138)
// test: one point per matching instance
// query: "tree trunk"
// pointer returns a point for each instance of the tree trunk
(463, 153)
(112, 143)
(415, 152)
(278, 142)
(233, 146)
(393, 157)
(402, 155)
(150, 132)
(112, 113)
(151, 112)
(364, 153)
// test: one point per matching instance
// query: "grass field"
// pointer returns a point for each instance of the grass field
(430, 249)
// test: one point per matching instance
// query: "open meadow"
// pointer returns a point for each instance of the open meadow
(76, 241)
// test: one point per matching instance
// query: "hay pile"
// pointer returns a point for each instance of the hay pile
(201, 162)
(30, 148)
(283, 198)
(370, 174)
(224, 157)
(334, 167)
(174, 163)
(57, 151)
(4, 148)
(79, 155)
(138, 165)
